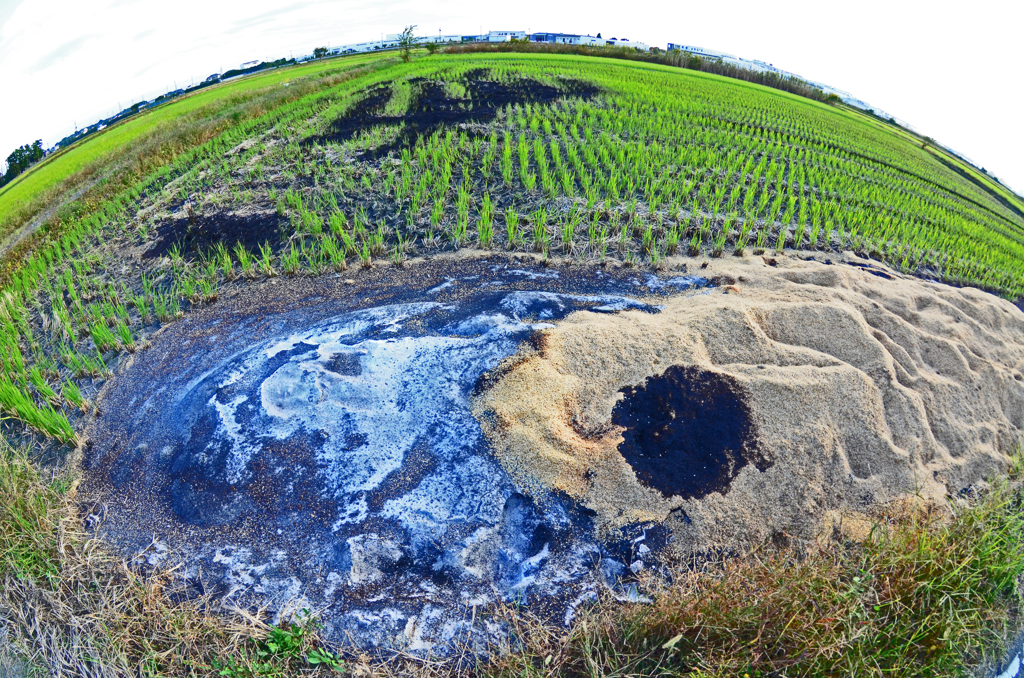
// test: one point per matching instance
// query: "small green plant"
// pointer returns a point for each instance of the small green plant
(672, 240)
(334, 253)
(485, 226)
(512, 231)
(338, 222)
(286, 650)
(397, 256)
(291, 260)
(540, 230)
(124, 333)
(207, 289)
(245, 260)
(102, 337)
(73, 395)
(718, 244)
(568, 231)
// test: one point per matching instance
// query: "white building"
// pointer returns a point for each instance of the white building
(440, 38)
(505, 36)
(624, 42)
(569, 39)
(556, 38)
(700, 51)
(391, 41)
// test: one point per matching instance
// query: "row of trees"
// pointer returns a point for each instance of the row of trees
(21, 159)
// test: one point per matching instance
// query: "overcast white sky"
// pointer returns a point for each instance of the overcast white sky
(953, 70)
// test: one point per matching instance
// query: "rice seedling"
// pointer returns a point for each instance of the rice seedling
(512, 229)
(245, 260)
(648, 241)
(568, 231)
(335, 254)
(672, 240)
(45, 419)
(44, 390)
(102, 337)
(693, 247)
(780, 242)
(207, 289)
(124, 334)
(365, 257)
(718, 244)
(485, 224)
(313, 256)
(266, 259)
(540, 230)
(291, 260)
(73, 396)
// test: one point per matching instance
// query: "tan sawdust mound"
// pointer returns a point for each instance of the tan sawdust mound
(861, 390)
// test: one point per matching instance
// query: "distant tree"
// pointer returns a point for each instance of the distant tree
(21, 159)
(432, 47)
(320, 52)
(406, 42)
(599, 35)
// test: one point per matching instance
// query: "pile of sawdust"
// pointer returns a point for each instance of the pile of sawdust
(860, 388)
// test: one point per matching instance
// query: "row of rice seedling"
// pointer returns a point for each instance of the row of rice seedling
(788, 171)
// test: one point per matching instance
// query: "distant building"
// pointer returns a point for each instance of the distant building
(505, 36)
(699, 51)
(576, 39)
(625, 42)
(390, 42)
(251, 64)
(557, 38)
(439, 38)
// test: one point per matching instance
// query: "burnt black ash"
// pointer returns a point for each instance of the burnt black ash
(434, 107)
(209, 231)
(688, 432)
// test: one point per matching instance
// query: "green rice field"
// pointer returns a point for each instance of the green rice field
(367, 159)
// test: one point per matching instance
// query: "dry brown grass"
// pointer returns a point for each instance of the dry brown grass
(926, 593)
(79, 610)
